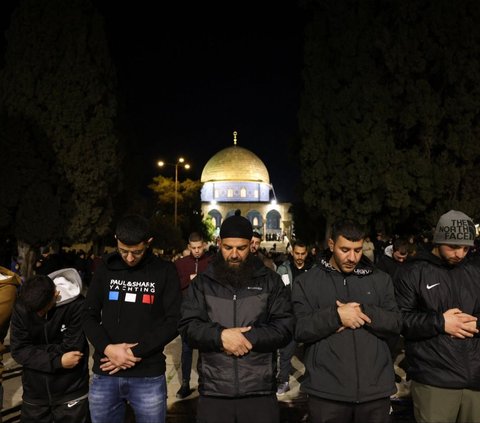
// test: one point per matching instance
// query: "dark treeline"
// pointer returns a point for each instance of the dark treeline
(390, 114)
(70, 165)
(388, 124)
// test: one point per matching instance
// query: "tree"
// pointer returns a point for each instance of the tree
(189, 215)
(390, 112)
(210, 229)
(30, 210)
(59, 79)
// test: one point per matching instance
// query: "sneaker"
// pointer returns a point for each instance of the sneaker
(184, 390)
(283, 388)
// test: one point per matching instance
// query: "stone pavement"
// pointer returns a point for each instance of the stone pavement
(179, 411)
(292, 405)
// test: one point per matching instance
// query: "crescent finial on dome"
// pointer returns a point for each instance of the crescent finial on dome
(234, 137)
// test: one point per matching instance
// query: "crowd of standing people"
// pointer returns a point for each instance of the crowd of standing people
(350, 308)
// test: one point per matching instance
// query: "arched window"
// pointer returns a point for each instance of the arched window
(273, 219)
(229, 192)
(256, 220)
(243, 192)
(216, 217)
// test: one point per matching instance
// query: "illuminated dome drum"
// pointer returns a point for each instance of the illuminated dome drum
(235, 174)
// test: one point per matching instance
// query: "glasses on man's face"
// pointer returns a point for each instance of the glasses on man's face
(134, 253)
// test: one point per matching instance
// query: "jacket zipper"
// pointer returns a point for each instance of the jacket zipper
(235, 361)
(354, 346)
(46, 376)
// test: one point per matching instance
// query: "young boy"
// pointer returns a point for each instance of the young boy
(46, 338)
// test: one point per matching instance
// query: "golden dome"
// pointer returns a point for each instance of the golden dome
(235, 164)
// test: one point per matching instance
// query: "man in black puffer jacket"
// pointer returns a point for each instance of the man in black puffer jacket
(237, 314)
(345, 312)
(438, 293)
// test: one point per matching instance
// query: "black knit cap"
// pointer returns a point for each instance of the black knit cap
(236, 227)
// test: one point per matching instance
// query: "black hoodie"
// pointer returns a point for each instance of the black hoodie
(133, 304)
(38, 344)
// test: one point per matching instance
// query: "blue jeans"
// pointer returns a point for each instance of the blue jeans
(146, 395)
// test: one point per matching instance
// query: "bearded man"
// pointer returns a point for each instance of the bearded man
(237, 314)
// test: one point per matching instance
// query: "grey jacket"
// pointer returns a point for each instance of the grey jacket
(210, 306)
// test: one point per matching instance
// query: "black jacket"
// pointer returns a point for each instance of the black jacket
(426, 288)
(133, 304)
(388, 265)
(210, 306)
(350, 365)
(38, 345)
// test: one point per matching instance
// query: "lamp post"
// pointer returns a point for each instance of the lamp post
(180, 162)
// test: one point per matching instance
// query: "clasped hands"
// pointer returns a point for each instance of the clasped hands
(118, 357)
(459, 324)
(234, 342)
(351, 316)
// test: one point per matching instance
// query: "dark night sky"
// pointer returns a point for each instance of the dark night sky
(193, 75)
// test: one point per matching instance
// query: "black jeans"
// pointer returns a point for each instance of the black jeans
(328, 411)
(187, 355)
(286, 353)
(261, 409)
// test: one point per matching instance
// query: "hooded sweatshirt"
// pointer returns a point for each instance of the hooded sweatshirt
(38, 343)
(139, 304)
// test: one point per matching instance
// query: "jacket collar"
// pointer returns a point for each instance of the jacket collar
(428, 256)
(363, 268)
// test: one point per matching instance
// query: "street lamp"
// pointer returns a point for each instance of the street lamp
(273, 202)
(180, 162)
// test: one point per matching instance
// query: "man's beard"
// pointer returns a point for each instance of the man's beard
(237, 276)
